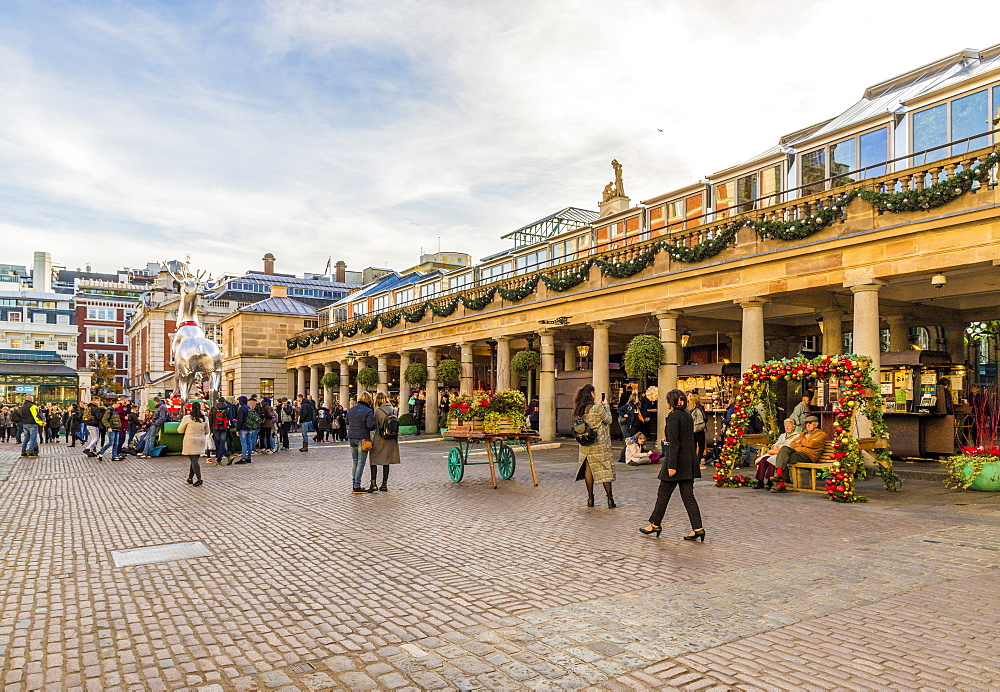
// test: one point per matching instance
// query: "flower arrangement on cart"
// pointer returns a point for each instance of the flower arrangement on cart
(494, 413)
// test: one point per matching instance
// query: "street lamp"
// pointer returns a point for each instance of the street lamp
(352, 356)
(819, 321)
(685, 338)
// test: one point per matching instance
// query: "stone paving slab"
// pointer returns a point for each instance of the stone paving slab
(436, 585)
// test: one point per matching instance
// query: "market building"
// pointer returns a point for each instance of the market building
(875, 232)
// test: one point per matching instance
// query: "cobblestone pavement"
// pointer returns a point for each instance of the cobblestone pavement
(437, 585)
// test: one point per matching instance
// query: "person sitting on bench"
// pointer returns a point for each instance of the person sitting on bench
(806, 448)
(765, 462)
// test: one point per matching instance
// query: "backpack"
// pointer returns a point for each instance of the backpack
(220, 419)
(627, 415)
(252, 420)
(15, 416)
(389, 430)
(583, 433)
(698, 416)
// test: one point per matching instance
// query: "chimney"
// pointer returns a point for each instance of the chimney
(269, 264)
(279, 291)
(341, 275)
(41, 277)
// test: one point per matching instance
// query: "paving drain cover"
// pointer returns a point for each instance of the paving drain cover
(159, 553)
(302, 668)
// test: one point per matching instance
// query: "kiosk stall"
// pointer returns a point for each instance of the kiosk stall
(714, 383)
(920, 411)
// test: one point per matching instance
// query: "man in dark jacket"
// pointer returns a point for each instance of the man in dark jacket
(286, 416)
(245, 431)
(160, 417)
(92, 421)
(32, 424)
(307, 414)
(360, 423)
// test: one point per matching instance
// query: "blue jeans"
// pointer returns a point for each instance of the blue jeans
(219, 436)
(246, 442)
(29, 435)
(359, 460)
(254, 434)
(114, 442)
(306, 427)
(151, 435)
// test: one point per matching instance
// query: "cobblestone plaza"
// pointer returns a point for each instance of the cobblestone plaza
(436, 585)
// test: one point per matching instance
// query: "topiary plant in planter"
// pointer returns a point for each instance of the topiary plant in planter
(330, 380)
(525, 361)
(368, 377)
(407, 424)
(449, 370)
(643, 356)
(415, 374)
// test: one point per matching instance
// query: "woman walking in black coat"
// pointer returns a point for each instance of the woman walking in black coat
(680, 468)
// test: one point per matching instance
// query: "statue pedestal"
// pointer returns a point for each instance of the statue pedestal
(614, 205)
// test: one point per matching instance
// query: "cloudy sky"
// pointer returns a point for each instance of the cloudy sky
(368, 130)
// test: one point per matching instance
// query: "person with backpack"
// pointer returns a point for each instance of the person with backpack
(385, 441)
(360, 424)
(32, 423)
(160, 418)
(285, 417)
(307, 414)
(247, 424)
(628, 418)
(700, 418)
(194, 428)
(219, 423)
(92, 419)
(112, 421)
(592, 430)
(267, 426)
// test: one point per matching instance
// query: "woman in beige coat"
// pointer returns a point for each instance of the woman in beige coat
(194, 427)
(596, 462)
(385, 451)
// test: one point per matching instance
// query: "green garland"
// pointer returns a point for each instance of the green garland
(416, 315)
(568, 280)
(316, 338)
(389, 321)
(936, 195)
(720, 240)
(303, 341)
(444, 310)
(512, 295)
(369, 326)
(480, 302)
(291, 343)
(623, 270)
(349, 330)
(332, 334)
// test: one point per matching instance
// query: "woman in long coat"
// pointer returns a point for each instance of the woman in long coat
(384, 451)
(596, 463)
(194, 427)
(679, 469)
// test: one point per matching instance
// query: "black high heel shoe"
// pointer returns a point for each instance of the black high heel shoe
(611, 502)
(697, 534)
(651, 529)
(191, 481)
(590, 500)
(197, 483)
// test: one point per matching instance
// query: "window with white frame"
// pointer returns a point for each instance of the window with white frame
(845, 161)
(39, 344)
(404, 296)
(460, 281)
(310, 324)
(100, 335)
(959, 118)
(14, 316)
(533, 261)
(380, 303)
(570, 249)
(62, 346)
(106, 314)
(213, 332)
(62, 319)
(496, 271)
(15, 343)
(359, 308)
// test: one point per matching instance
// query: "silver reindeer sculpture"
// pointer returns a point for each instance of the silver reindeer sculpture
(193, 353)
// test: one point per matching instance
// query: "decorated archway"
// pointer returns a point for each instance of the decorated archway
(858, 395)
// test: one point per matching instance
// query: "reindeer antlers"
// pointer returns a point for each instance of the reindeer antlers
(181, 272)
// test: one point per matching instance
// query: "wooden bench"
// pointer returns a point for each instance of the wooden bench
(796, 472)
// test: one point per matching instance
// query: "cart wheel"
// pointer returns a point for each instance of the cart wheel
(456, 464)
(505, 461)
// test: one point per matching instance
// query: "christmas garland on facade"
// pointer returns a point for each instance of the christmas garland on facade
(719, 239)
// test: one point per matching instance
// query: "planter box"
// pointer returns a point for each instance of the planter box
(506, 427)
(989, 480)
(408, 430)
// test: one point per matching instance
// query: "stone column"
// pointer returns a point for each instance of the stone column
(954, 335)
(547, 387)
(293, 376)
(431, 403)
(866, 323)
(327, 391)
(362, 364)
(404, 387)
(314, 374)
(735, 346)
(300, 380)
(345, 383)
(667, 376)
(569, 356)
(468, 382)
(602, 357)
(503, 362)
(898, 333)
(752, 351)
(833, 332)
(383, 374)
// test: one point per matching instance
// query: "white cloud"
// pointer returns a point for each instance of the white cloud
(367, 130)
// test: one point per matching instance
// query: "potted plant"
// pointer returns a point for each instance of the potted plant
(974, 468)
(329, 380)
(448, 370)
(643, 356)
(416, 374)
(467, 412)
(368, 377)
(505, 413)
(525, 361)
(407, 424)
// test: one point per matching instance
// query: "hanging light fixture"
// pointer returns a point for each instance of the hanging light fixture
(351, 358)
(685, 338)
(822, 327)
(583, 350)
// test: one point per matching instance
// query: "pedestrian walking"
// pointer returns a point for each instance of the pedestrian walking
(194, 427)
(360, 423)
(385, 442)
(596, 462)
(266, 426)
(219, 424)
(92, 420)
(286, 416)
(114, 423)
(307, 414)
(73, 425)
(247, 424)
(32, 423)
(679, 469)
(160, 417)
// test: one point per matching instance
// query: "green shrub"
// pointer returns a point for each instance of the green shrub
(368, 377)
(643, 356)
(449, 370)
(525, 361)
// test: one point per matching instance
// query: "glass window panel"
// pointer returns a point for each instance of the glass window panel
(656, 218)
(874, 152)
(770, 185)
(675, 215)
(929, 131)
(995, 113)
(970, 115)
(723, 200)
(843, 159)
(813, 171)
(746, 192)
(693, 208)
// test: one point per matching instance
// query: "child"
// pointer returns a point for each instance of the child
(635, 451)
